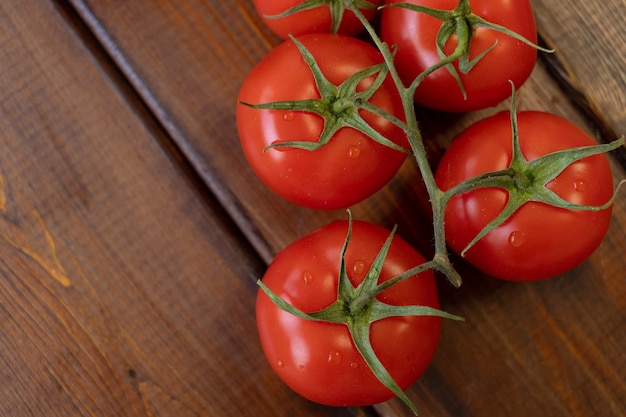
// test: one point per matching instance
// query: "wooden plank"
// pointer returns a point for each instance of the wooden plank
(124, 290)
(592, 47)
(551, 348)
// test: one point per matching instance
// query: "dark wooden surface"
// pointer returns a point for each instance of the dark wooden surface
(132, 231)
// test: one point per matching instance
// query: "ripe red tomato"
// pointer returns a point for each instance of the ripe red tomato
(487, 83)
(318, 360)
(539, 241)
(351, 166)
(316, 20)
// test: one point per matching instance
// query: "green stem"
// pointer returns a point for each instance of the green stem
(404, 275)
(441, 260)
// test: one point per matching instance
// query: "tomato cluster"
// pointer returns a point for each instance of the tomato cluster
(348, 315)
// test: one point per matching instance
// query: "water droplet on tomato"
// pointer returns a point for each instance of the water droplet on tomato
(307, 277)
(334, 357)
(354, 365)
(300, 366)
(288, 116)
(280, 364)
(354, 152)
(580, 185)
(359, 267)
(517, 239)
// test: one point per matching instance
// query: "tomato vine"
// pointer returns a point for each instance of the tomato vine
(543, 168)
(339, 105)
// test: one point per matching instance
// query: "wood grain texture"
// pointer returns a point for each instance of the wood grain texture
(593, 82)
(124, 290)
(588, 37)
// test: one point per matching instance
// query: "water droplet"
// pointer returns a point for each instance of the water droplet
(580, 185)
(288, 116)
(300, 366)
(280, 364)
(354, 365)
(334, 357)
(517, 239)
(354, 152)
(359, 267)
(307, 277)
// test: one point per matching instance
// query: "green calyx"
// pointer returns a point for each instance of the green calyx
(460, 22)
(338, 105)
(357, 308)
(337, 9)
(526, 180)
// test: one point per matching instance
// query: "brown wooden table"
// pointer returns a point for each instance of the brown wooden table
(132, 231)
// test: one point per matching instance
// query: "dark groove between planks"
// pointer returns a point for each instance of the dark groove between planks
(159, 130)
(173, 140)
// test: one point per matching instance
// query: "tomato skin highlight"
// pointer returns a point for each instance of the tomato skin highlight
(487, 84)
(538, 241)
(319, 360)
(348, 169)
(317, 20)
